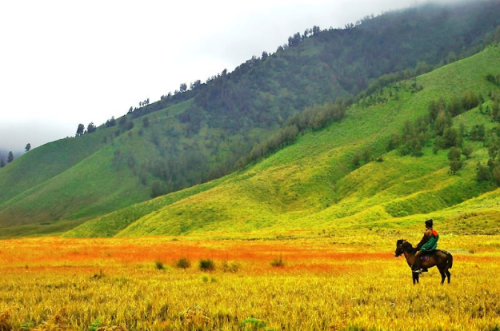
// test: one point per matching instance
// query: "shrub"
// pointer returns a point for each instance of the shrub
(183, 263)
(278, 263)
(455, 166)
(207, 265)
(483, 173)
(159, 265)
(467, 151)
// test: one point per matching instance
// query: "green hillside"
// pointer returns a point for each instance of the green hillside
(208, 130)
(313, 183)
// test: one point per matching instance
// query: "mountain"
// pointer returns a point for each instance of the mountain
(315, 184)
(213, 128)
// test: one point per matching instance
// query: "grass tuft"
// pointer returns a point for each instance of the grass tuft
(230, 266)
(207, 265)
(4, 321)
(183, 263)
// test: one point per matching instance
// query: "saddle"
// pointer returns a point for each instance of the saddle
(427, 255)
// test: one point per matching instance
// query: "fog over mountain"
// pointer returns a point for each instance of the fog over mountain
(70, 63)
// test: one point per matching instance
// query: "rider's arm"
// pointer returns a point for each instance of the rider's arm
(425, 238)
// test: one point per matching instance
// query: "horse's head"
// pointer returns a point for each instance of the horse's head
(399, 248)
(403, 246)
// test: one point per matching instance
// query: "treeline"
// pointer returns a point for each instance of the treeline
(385, 80)
(313, 118)
(318, 65)
(182, 164)
(491, 171)
(437, 126)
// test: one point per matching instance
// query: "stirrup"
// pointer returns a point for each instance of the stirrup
(417, 271)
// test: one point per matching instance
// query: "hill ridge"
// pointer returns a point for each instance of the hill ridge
(314, 208)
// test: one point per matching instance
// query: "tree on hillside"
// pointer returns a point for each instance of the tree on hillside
(452, 137)
(496, 174)
(467, 151)
(294, 41)
(111, 122)
(80, 129)
(477, 132)
(2, 163)
(455, 166)
(455, 162)
(454, 154)
(91, 127)
(483, 173)
(10, 158)
(28, 147)
(196, 84)
(183, 88)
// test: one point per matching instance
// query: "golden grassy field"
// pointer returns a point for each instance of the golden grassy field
(326, 283)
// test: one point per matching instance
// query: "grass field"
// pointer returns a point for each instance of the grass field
(323, 283)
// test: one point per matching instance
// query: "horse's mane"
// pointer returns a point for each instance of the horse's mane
(407, 246)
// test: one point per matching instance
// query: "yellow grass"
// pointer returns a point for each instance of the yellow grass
(329, 283)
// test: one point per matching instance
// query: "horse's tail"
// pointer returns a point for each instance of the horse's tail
(450, 260)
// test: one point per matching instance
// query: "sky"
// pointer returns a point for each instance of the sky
(68, 62)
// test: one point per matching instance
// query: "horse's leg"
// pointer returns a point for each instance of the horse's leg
(449, 275)
(415, 277)
(443, 275)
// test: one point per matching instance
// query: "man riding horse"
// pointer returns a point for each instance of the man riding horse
(428, 244)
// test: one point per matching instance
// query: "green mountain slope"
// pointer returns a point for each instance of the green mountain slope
(201, 133)
(313, 183)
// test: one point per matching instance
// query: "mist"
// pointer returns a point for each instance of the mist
(69, 63)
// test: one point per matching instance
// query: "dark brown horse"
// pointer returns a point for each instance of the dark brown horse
(439, 258)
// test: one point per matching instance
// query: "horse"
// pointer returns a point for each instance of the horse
(439, 258)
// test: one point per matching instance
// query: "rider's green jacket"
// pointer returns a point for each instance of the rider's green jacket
(429, 241)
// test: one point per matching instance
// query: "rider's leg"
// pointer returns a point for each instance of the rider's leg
(418, 260)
